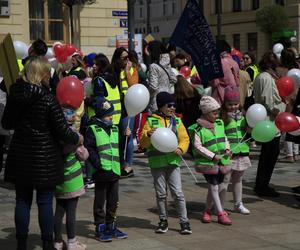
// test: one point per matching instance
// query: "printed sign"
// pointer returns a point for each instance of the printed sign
(119, 13)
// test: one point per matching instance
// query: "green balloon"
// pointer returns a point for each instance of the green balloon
(264, 131)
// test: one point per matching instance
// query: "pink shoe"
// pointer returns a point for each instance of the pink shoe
(206, 217)
(224, 219)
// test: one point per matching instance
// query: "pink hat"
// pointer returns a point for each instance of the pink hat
(208, 104)
(232, 94)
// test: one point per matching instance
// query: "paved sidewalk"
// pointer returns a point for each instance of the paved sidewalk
(273, 223)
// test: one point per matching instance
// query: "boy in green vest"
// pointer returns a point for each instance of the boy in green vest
(165, 167)
(211, 155)
(102, 142)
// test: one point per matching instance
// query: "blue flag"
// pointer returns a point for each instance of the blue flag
(193, 35)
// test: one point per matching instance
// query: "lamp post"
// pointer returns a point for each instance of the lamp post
(219, 20)
(130, 9)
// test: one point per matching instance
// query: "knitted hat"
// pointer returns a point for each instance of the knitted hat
(103, 107)
(232, 94)
(208, 104)
(164, 98)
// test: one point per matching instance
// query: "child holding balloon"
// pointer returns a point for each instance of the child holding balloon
(236, 130)
(165, 167)
(211, 155)
(102, 142)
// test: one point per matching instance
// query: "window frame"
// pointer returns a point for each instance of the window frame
(255, 4)
(236, 5)
(46, 21)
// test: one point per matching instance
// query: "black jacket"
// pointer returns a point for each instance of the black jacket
(34, 156)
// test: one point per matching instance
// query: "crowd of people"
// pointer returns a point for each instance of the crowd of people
(60, 151)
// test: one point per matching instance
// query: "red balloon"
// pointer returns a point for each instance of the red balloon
(185, 71)
(70, 92)
(285, 86)
(69, 49)
(60, 53)
(287, 122)
(235, 52)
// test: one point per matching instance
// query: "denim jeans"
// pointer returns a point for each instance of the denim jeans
(130, 147)
(44, 200)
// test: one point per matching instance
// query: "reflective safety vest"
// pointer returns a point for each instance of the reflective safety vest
(113, 95)
(235, 131)
(108, 148)
(73, 178)
(123, 80)
(194, 70)
(20, 64)
(255, 70)
(159, 159)
(74, 70)
(213, 141)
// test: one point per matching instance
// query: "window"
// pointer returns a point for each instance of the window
(173, 8)
(47, 20)
(201, 4)
(237, 5)
(252, 42)
(236, 41)
(280, 2)
(164, 7)
(255, 4)
(141, 12)
(218, 4)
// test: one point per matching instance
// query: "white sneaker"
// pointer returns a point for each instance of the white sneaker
(58, 245)
(241, 209)
(76, 246)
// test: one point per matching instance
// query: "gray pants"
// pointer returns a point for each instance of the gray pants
(172, 177)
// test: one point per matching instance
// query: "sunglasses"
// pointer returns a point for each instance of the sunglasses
(171, 105)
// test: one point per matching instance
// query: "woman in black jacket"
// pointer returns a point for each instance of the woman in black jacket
(34, 159)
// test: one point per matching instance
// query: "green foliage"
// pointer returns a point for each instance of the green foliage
(77, 2)
(272, 18)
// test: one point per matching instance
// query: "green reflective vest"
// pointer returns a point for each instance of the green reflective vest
(123, 81)
(73, 178)
(255, 70)
(213, 141)
(194, 70)
(235, 131)
(108, 148)
(113, 95)
(159, 159)
(20, 64)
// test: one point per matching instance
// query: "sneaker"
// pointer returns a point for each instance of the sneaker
(125, 173)
(117, 233)
(185, 228)
(241, 209)
(206, 217)
(267, 191)
(99, 230)
(162, 227)
(76, 246)
(224, 219)
(102, 234)
(89, 184)
(59, 245)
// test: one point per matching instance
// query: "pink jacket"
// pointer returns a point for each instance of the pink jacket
(231, 77)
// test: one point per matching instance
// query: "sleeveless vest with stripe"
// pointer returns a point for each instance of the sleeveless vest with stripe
(255, 71)
(113, 95)
(159, 159)
(213, 141)
(73, 177)
(235, 131)
(108, 148)
(123, 80)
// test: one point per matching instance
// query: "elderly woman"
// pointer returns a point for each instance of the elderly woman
(34, 160)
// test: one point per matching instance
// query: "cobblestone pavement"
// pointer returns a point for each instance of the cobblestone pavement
(273, 223)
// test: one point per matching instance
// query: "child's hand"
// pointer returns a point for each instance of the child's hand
(127, 132)
(178, 151)
(149, 133)
(80, 142)
(217, 158)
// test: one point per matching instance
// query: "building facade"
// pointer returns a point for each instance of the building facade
(95, 26)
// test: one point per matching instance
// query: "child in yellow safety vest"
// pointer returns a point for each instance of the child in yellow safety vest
(102, 142)
(165, 167)
(236, 131)
(211, 153)
(68, 192)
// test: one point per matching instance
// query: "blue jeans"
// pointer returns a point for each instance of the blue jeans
(130, 147)
(44, 200)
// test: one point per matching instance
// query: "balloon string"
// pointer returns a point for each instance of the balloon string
(126, 140)
(241, 143)
(196, 181)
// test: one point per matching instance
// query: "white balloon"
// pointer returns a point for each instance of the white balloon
(136, 99)
(164, 140)
(255, 114)
(143, 67)
(296, 132)
(295, 74)
(278, 55)
(50, 53)
(21, 49)
(277, 48)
